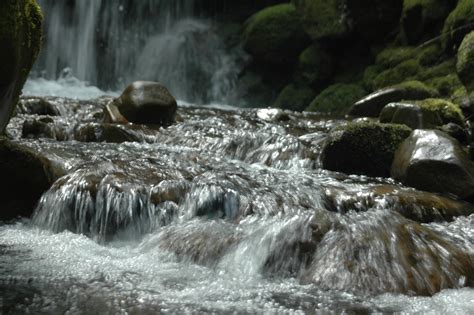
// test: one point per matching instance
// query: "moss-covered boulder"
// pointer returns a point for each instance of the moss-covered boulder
(411, 115)
(336, 99)
(363, 148)
(315, 66)
(404, 71)
(459, 23)
(422, 19)
(295, 97)
(20, 42)
(372, 105)
(465, 62)
(447, 111)
(274, 35)
(431, 160)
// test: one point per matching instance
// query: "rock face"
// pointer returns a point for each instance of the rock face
(274, 35)
(20, 42)
(147, 103)
(363, 148)
(465, 62)
(430, 160)
(372, 105)
(410, 115)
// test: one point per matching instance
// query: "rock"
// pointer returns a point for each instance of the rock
(112, 115)
(146, 103)
(272, 114)
(363, 148)
(423, 19)
(465, 62)
(336, 99)
(323, 19)
(447, 111)
(20, 39)
(372, 105)
(410, 115)
(27, 174)
(37, 106)
(315, 66)
(432, 161)
(456, 131)
(295, 97)
(401, 72)
(110, 133)
(459, 23)
(274, 35)
(43, 127)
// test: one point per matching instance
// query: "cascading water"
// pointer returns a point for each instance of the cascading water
(158, 40)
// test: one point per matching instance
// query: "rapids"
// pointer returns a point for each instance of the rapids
(226, 211)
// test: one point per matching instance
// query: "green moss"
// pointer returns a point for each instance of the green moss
(337, 98)
(402, 72)
(417, 87)
(457, 25)
(423, 18)
(20, 42)
(323, 18)
(458, 95)
(392, 56)
(443, 69)
(274, 34)
(445, 85)
(314, 66)
(465, 62)
(295, 98)
(363, 148)
(447, 111)
(370, 73)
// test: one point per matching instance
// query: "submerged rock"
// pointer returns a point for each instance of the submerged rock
(363, 148)
(20, 39)
(146, 103)
(433, 161)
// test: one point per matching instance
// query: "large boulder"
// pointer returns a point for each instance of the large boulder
(145, 102)
(422, 18)
(20, 42)
(430, 160)
(274, 35)
(336, 99)
(465, 62)
(372, 105)
(459, 23)
(363, 148)
(338, 18)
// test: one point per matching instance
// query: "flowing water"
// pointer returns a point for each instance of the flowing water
(226, 211)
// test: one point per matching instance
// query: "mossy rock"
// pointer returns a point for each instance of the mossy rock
(444, 68)
(274, 35)
(402, 72)
(295, 97)
(364, 148)
(446, 85)
(336, 99)
(423, 19)
(465, 62)
(392, 56)
(447, 111)
(20, 42)
(323, 18)
(370, 73)
(458, 24)
(315, 66)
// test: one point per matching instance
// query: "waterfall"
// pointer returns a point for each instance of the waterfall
(111, 43)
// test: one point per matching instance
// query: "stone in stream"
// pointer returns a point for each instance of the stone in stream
(28, 174)
(143, 102)
(20, 42)
(410, 115)
(365, 148)
(372, 105)
(37, 106)
(431, 160)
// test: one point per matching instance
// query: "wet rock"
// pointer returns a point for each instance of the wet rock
(272, 114)
(27, 175)
(363, 148)
(430, 160)
(43, 127)
(147, 103)
(446, 110)
(110, 133)
(456, 131)
(20, 39)
(372, 105)
(112, 115)
(465, 62)
(410, 115)
(37, 106)
(274, 35)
